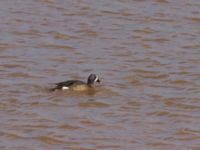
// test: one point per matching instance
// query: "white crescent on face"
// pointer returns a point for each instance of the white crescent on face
(96, 79)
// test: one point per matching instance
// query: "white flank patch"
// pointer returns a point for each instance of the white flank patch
(65, 88)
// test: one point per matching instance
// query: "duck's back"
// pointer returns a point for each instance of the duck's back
(70, 83)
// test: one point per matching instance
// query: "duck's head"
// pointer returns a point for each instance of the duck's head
(92, 79)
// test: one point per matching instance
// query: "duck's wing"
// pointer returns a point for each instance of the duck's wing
(65, 83)
(69, 83)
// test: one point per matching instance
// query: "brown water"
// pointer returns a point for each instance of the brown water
(146, 52)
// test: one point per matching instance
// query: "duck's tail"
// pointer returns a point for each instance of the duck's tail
(53, 89)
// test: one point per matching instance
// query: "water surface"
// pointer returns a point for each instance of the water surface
(146, 52)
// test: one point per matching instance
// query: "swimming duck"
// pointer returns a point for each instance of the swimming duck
(77, 85)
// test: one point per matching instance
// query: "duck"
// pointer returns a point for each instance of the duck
(78, 85)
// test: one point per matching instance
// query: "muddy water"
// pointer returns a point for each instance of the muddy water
(147, 54)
